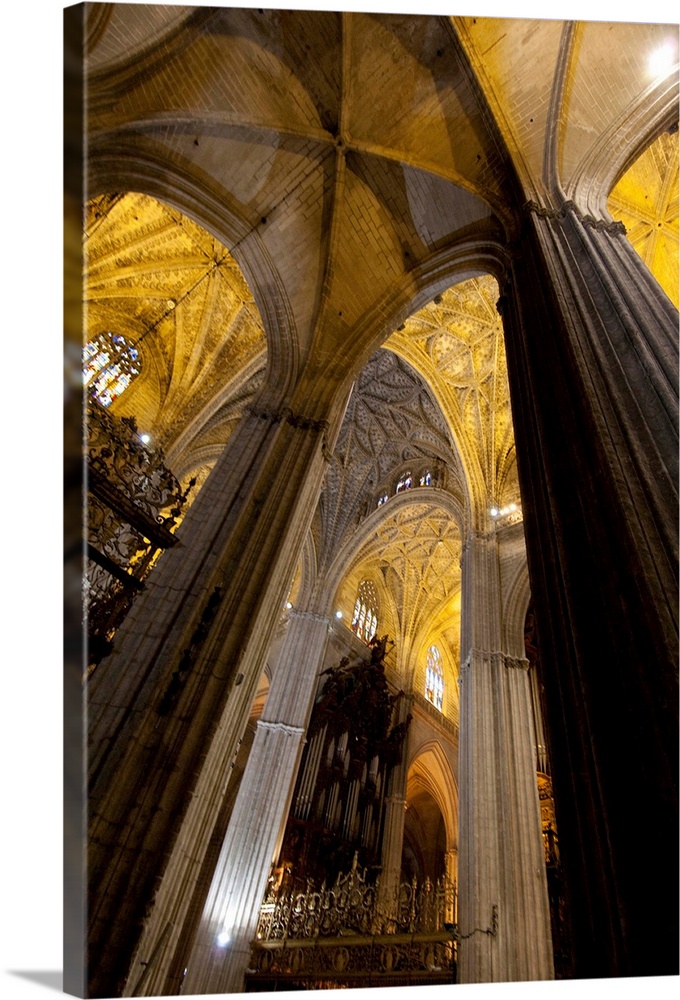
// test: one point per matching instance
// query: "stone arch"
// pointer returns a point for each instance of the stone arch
(621, 144)
(207, 455)
(515, 608)
(429, 768)
(360, 545)
(449, 267)
(451, 669)
(183, 446)
(352, 548)
(469, 258)
(119, 162)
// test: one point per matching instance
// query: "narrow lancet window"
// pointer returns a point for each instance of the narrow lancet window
(366, 607)
(434, 678)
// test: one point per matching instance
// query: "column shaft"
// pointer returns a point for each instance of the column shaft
(259, 814)
(169, 705)
(592, 346)
(503, 914)
(393, 835)
(451, 872)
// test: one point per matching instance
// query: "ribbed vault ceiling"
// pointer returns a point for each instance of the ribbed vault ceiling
(646, 201)
(173, 291)
(331, 159)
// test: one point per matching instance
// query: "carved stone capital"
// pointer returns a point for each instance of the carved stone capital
(493, 658)
(569, 208)
(281, 727)
(516, 662)
(286, 415)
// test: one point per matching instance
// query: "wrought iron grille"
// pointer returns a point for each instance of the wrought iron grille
(331, 963)
(354, 905)
(352, 931)
(133, 506)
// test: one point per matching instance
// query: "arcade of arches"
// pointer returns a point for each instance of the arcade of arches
(401, 293)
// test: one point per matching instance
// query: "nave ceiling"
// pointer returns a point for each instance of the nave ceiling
(437, 391)
(347, 153)
(350, 152)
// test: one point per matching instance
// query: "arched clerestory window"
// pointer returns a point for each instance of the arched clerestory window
(366, 608)
(109, 365)
(434, 678)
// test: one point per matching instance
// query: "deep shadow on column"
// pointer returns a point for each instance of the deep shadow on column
(183, 674)
(592, 362)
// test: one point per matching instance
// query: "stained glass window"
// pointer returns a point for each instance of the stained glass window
(382, 499)
(365, 617)
(109, 365)
(434, 678)
(404, 483)
(426, 480)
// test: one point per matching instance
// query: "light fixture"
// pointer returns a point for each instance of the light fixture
(662, 59)
(144, 438)
(338, 614)
(288, 605)
(223, 938)
(497, 512)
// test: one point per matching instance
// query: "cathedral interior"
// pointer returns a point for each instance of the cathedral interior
(378, 331)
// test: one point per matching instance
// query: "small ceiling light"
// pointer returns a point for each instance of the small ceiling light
(662, 59)
(288, 605)
(223, 938)
(494, 511)
(338, 614)
(144, 438)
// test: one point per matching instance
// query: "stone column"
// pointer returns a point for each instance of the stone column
(168, 707)
(503, 913)
(451, 874)
(260, 812)
(592, 346)
(393, 830)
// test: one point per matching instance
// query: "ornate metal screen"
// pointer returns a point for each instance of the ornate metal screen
(345, 935)
(133, 503)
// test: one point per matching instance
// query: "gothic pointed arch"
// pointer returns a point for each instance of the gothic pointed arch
(393, 427)
(515, 609)
(623, 141)
(456, 342)
(429, 768)
(116, 163)
(181, 302)
(413, 549)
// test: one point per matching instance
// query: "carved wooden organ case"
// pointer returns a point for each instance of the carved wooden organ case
(353, 744)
